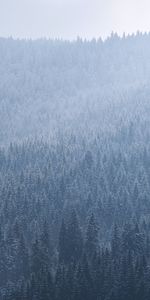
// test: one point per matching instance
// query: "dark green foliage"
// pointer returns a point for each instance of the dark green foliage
(91, 242)
(75, 177)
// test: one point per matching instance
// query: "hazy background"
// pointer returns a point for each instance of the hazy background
(68, 19)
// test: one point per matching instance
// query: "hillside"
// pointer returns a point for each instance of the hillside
(75, 169)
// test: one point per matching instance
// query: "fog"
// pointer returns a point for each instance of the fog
(68, 19)
(74, 150)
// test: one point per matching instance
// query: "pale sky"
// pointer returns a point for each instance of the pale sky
(68, 19)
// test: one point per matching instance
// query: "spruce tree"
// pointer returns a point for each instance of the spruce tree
(91, 242)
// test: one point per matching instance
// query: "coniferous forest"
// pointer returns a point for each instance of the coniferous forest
(75, 169)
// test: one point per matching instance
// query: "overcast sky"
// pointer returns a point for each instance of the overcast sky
(68, 19)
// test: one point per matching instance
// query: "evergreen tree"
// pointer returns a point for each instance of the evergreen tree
(91, 242)
(63, 243)
(116, 242)
(74, 239)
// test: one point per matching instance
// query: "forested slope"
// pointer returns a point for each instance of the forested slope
(75, 169)
(46, 84)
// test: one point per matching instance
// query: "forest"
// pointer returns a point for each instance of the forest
(75, 169)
